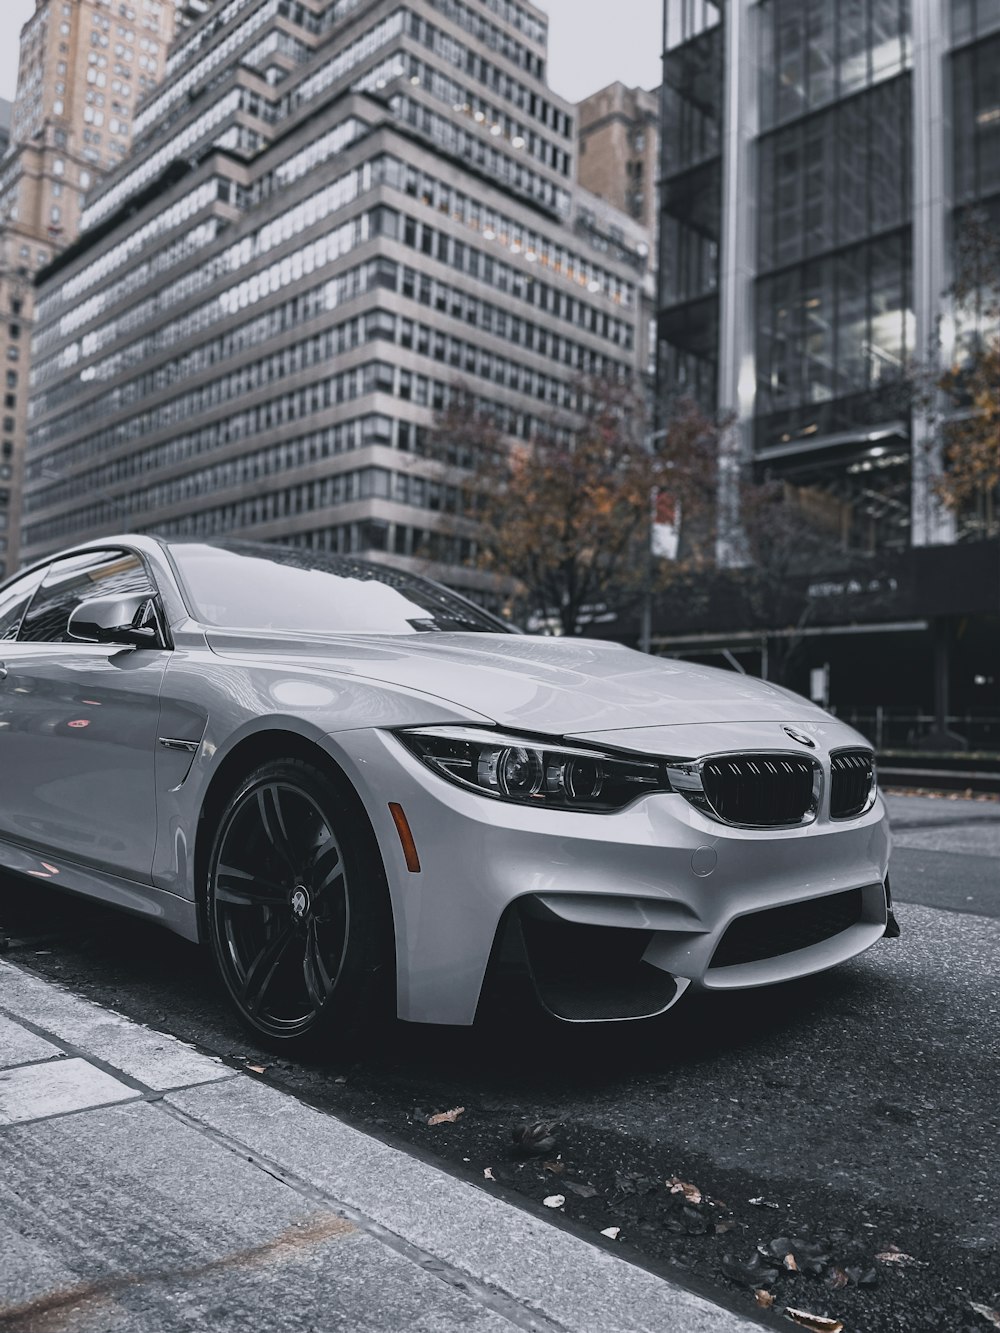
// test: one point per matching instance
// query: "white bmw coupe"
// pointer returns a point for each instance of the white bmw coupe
(366, 793)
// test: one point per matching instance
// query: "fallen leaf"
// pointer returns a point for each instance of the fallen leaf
(894, 1255)
(613, 1233)
(763, 1203)
(691, 1192)
(764, 1298)
(790, 1264)
(817, 1322)
(557, 1168)
(554, 1201)
(838, 1277)
(257, 1069)
(488, 1174)
(584, 1191)
(987, 1312)
(446, 1117)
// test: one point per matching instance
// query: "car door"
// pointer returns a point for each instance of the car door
(78, 749)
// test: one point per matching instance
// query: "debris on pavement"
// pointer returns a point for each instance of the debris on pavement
(751, 1273)
(535, 1140)
(557, 1168)
(816, 1322)
(584, 1191)
(988, 1313)
(761, 1202)
(488, 1174)
(446, 1117)
(554, 1200)
(894, 1255)
(798, 1256)
(691, 1192)
(764, 1298)
(612, 1233)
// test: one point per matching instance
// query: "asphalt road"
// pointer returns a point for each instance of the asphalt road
(836, 1120)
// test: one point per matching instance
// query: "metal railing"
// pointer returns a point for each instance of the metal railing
(896, 729)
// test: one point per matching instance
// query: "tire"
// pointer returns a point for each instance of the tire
(298, 912)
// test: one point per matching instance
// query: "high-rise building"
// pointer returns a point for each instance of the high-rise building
(333, 213)
(619, 149)
(819, 161)
(6, 112)
(84, 65)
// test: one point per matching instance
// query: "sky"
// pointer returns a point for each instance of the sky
(591, 43)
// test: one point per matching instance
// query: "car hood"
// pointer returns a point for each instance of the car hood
(546, 685)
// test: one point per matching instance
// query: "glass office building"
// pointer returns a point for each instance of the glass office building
(819, 161)
(335, 211)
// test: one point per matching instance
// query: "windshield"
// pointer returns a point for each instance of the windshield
(250, 586)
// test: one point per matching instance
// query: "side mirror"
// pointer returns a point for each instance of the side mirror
(128, 620)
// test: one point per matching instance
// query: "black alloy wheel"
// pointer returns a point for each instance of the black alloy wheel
(297, 910)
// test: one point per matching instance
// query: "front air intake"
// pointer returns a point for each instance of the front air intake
(762, 790)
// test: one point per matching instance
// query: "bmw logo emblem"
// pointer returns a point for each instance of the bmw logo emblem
(798, 736)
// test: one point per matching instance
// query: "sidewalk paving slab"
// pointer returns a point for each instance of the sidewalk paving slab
(209, 1201)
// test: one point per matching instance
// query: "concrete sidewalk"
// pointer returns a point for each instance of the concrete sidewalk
(145, 1186)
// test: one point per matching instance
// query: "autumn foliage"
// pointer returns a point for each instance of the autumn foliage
(969, 484)
(564, 517)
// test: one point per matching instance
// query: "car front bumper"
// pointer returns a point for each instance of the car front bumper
(660, 868)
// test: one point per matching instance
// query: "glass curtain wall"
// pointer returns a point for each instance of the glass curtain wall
(834, 307)
(691, 200)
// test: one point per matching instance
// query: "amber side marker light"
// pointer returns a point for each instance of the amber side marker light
(406, 838)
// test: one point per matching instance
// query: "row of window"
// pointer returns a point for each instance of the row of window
(473, 22)
(127, 249)
(469, 358)
(328, 492)
(370, 378)
(236, 338)
(441, 296)
(220, 16)
(488, 75)
(473, 148)
(179, 146)
(493, 226)
(345, 538)
(461, 99)
(346, 59)
(240, 255)
(174, 89)
(500, 321)
(315, 446)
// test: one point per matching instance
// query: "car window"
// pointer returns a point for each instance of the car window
(76, 579)
(14, 600)
(248, 586)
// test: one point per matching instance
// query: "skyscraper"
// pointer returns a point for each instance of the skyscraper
(333, 214)
(84, 65)
(818, 162)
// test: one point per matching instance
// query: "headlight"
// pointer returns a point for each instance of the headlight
(533, 771)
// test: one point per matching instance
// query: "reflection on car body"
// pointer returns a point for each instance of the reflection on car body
(367, 794)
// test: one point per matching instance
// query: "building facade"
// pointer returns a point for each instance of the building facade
(334, 213)
(819, 164)
(84, 66)
(619, 149)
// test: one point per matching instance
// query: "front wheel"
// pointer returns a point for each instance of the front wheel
(297, 909)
